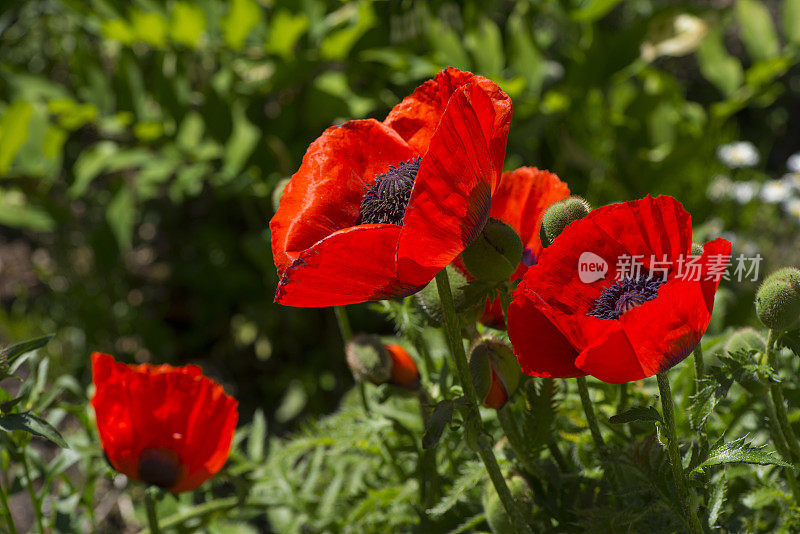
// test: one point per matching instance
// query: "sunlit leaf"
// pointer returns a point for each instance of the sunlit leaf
(187, 24)
(242, 17)
(758, 30)
(13, 132)
(33, 424)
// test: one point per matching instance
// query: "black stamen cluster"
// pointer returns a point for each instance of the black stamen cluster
(385, 201)
(624, 295)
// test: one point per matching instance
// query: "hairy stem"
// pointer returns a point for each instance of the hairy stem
(674, 455)
(152, 515)
(347, 335)
(591, 418)
(473, 413)
(12, 528)
(780, 445)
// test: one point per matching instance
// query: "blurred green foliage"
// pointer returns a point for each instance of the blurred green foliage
(140, 143)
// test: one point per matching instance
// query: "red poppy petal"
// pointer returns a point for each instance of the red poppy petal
(418, 115)
(353, 265)
(451, 199)
(658, 334)
(324, 195)
(522, 197)
(542, 350)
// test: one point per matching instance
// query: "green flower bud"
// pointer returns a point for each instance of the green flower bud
(495, 371)
(697, 249)
(747, 339)
(778, 299)
(495, 254)
(496, 515)
(277, 192)
(428, 298)
(559, 215)
(368, 359)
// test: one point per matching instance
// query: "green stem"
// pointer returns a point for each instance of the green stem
(779, 402)
(12, 528)
(344, 323)
(623, 397)
(515, 438)
(152, 515)
(37, 506)
(505, 302)
(699, 366)
(200, 511)
(555, 452)
(422, 348)
(780, 445)
(674, 455)
(473, 413)
(591, 419)
(427, 470)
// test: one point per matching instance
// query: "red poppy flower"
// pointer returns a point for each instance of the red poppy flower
(167, 426)
(608, 320)
(378, 208)
(521, 198)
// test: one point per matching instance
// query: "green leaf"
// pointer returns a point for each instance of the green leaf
(526, 59)
(486, 46)
(758, 31)
(791, 20)
(284, 31)
(705, 400)
(739, 451)
(17, 213)
(241, 143)
(33, 424)
(337, 44)
(717, 66)
(257, 437)
(188, 22)
(13, 132)
(440, 418)
(471, 475)
(150, 28)
(243, 16)
(717, 499)
(15, 351)
(594, 10)
(637, 413)
(121, 217)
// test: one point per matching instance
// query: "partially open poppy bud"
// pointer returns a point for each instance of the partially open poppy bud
(559, 215)
(368, 359)
(495, 371)
(428, 297)
(404, 370)
(496, 515)
(495, 254)
(778, 299)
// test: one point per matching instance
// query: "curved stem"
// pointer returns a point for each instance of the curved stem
(515, 438)
(778, 401)
(12, 528)
(699, 366)
(674, 455)
(37, 506)
(780, 445)
(347, 334)
(152, 515)
(474, 416)
(591, 418)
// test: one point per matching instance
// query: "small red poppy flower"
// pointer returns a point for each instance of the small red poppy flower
(167, 426)
(586, 308)
(378, 208)
(520, 201)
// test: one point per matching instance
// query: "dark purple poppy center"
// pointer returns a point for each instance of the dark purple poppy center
(625, 295)
(385, 200)
(160, 467)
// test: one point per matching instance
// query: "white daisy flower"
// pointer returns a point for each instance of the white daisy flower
(743, 192)
(775, 191)
(792, 207)
(719, 188)
(793, 163)
(739, 154)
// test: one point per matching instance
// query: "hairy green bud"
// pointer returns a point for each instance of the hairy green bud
(697, 249)
(495, 371)
(496, 515)
(428, 298)
(368, 359)
(778, 299)
(559, 215)
(495, 254)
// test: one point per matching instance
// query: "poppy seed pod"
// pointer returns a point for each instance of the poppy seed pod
(778, 299)
(428, 298)
(495, 254)
(368, 359)
(495, 371)
(560, 215)
(496, 515)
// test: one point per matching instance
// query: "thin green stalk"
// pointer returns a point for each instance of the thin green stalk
(505, 302)
(152, 515)
(473, 415)
(37, 506)
(422, 348)
(779, 402)
(347, 334)
(591, 418)
(780, 445)
(427, 470)
(555, 452)
(623, 397)
(674, 455)
(515, 438)
(699, 366)
(12, 528)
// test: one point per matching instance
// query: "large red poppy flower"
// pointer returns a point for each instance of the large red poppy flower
(520, 201)
(568, 320)
(167, 426)
(378, 208)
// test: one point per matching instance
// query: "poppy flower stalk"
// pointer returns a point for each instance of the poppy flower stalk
(473, 417)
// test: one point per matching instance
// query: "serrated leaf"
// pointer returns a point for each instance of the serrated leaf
(15, 351)
(739, 451)
(637, 413)
(440, 418)
(705, 400)
(471, 475)
(33, 424)
(717, 499)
